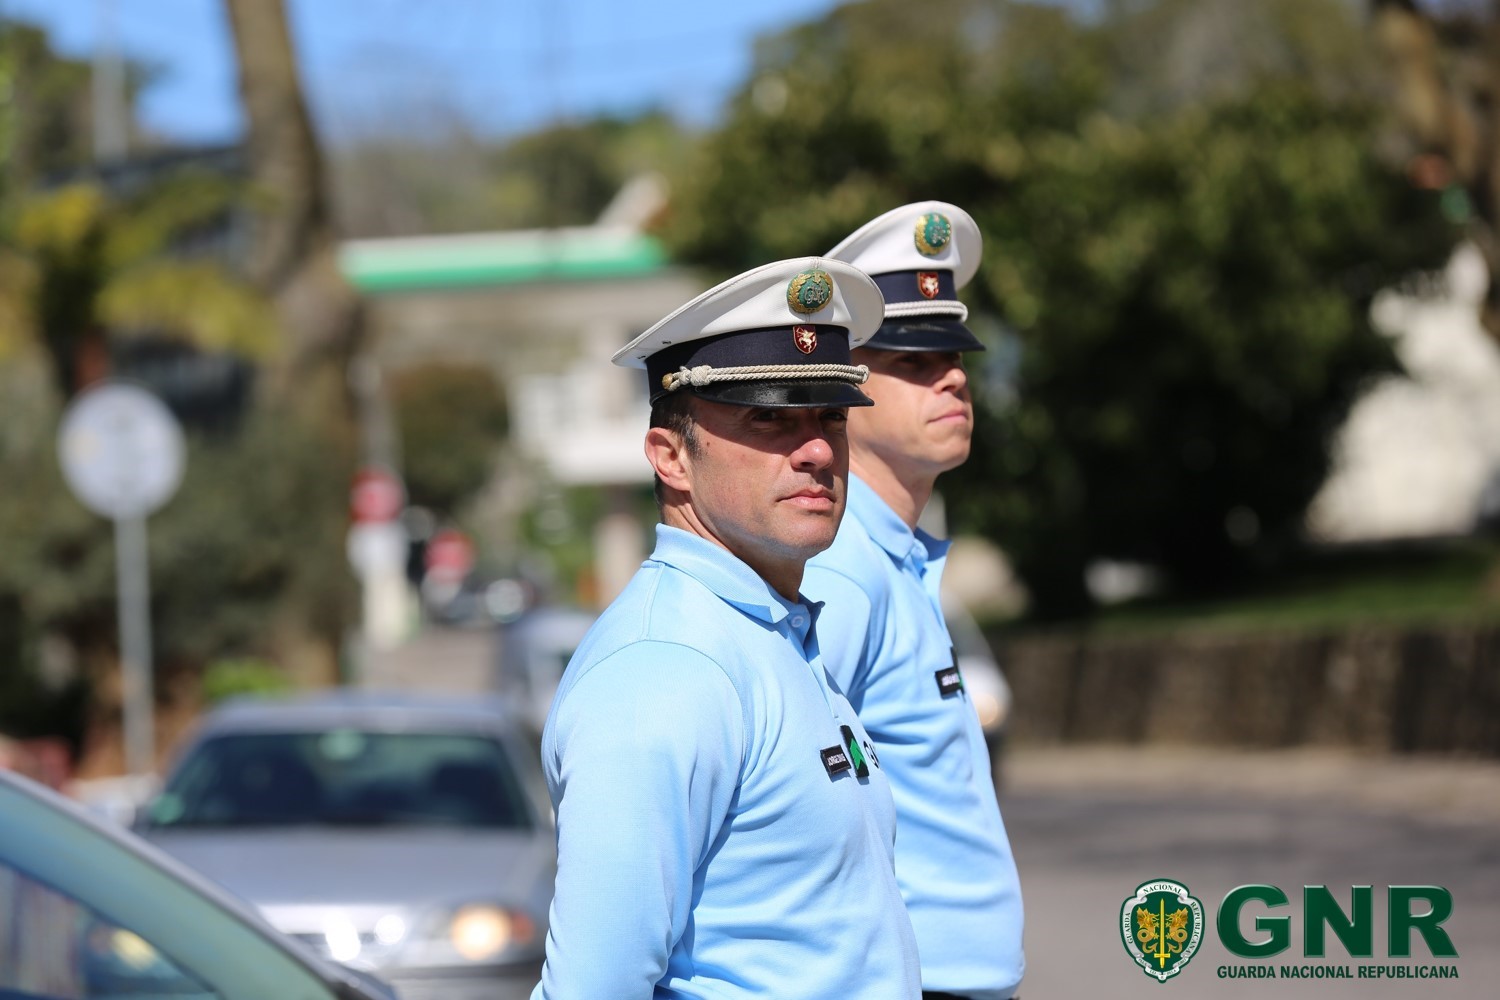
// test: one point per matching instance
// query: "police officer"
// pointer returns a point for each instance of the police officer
(724, 827)
(882, 628)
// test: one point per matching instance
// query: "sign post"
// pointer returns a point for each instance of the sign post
(122, 454)
(377, 547)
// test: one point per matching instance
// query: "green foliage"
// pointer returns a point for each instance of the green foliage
(252, 542)
(248, 558)
(1187, 261)
(47, 100)
(1180, 411)
(567, 174)
(84, 263)
(255, 540)
(561, 175)
(30, 706)
(453, 421)
(232, 678)
(558, 536)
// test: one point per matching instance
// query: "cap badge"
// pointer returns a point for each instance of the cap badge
(806, 338)
(934, 231)
(809, 291)
(927, 284)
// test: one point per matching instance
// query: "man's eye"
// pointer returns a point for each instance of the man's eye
(765, 416)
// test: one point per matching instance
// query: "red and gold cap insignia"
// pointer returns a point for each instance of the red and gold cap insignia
(806, 338)
(927, 284)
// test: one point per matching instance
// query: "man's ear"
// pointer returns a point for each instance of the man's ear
(665, 452)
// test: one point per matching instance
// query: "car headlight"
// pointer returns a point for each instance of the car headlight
(390, 929)
(473, 932)
(987, 706)
(479, 932)
(342, 940)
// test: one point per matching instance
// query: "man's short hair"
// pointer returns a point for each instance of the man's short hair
(675, 413)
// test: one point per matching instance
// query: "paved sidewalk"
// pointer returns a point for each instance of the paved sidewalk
(1454, 790)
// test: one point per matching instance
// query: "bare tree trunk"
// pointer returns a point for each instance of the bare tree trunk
(294, 248)
(294, 258)
(1447, 82)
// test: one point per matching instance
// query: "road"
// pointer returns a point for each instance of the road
(438, 660)
(1088, 826)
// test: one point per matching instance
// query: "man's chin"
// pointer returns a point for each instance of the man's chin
(813, 535)
(949, 454)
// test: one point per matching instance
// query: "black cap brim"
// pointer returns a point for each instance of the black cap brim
(923, 333)
(774, 395)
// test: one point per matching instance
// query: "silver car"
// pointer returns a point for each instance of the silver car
(534, 651)
(87, 910)
(399, 834)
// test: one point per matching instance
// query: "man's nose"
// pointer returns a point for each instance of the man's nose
(954, 379)
(815, 452)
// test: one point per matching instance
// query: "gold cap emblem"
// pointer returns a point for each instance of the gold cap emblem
(809, 291)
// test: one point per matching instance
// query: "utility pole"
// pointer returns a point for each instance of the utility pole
(111, 112)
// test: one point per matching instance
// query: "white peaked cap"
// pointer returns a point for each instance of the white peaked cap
(888, 243)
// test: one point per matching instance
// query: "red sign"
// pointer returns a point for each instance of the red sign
(377, 495)
(450, 555)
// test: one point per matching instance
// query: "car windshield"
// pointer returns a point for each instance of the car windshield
(344, 777)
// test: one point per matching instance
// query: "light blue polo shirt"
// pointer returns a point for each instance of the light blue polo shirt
(884, 640)
(704, 850)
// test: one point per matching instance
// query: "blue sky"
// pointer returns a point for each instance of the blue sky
(495, 65)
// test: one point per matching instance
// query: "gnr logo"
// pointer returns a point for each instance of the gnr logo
(1419, 908)
(1162, 923)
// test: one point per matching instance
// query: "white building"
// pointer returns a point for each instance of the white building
(544, 310)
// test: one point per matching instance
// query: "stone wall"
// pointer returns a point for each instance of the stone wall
(1429, 689)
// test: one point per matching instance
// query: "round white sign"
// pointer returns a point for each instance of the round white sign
(121, 450)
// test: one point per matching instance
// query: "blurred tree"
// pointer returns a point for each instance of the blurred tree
(453, 421)
(1189, 275)
(237, 678)
(50, 98)
(566, 174)
(47, 98)
(82, 267)
(1170, 54)
(247, 558)
(78, 263)
(293, 257)
(455, 181)
(293, 252)
(395, 185)
(1444, 62)
(1179, 411)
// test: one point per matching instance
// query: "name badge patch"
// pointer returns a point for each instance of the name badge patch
(949, 680)
(835, 760)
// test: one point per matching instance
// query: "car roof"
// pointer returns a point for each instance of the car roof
(349, 708)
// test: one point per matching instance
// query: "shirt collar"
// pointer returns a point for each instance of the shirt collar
(885, 526)
(725, 574)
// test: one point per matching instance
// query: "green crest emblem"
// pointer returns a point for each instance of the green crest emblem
(809, 291)
(855, 756)
(934, 231)
(1161, 926)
